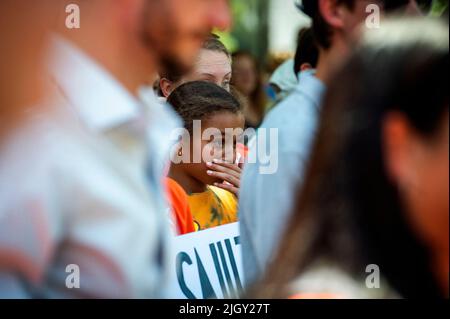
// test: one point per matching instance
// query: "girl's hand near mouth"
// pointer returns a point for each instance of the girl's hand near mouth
(229, 173)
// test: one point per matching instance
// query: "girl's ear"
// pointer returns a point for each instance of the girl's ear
(166, 87)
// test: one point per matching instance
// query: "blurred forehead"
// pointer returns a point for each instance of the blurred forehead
(212, 60)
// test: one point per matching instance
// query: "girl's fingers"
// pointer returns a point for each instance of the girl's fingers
(225, 177)
(230, 169)
(232, 166)
(230, 188)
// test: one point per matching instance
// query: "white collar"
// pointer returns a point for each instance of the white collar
(99, 99)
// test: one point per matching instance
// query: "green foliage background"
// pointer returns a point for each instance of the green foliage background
(250, 27)
(439, 7)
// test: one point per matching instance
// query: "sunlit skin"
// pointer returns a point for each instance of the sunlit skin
(180, 27)
(420, 167)
(21, 57)
(195, 177)
(210, 66)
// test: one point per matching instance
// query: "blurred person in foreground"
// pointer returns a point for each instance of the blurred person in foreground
(375, 200)
(21, 90)
(264, 213)
(80, 191)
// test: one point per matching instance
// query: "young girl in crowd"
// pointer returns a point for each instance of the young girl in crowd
(372, 220)
(212, 185)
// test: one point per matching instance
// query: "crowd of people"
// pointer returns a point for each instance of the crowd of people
(140, 125)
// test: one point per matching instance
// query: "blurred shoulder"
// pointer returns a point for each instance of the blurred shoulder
(42, 145)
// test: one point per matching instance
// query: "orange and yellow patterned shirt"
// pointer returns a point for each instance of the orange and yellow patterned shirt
(214, 207)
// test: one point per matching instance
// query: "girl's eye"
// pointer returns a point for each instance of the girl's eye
(226, 85)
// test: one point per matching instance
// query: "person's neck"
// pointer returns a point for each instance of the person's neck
(187, 182)
(129, 63)
(331, 59)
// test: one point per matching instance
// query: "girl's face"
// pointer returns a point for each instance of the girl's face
(220, 146)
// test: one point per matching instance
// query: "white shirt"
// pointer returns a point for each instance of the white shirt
(80, 184)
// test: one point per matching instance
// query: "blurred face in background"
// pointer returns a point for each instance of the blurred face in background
(176, 29)
(245, 77)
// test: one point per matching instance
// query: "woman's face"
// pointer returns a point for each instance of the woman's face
(420, 167)
(244, 75)
(210, 66)
(220, 145)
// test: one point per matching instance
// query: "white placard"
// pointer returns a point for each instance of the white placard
(208, 264)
